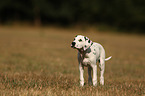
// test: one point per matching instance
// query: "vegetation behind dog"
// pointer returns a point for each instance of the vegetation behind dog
(39, 61)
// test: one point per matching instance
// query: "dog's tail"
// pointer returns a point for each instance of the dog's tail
(108, 58)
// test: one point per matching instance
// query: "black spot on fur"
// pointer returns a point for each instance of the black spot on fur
(99, 60)
(85, 38)
(89, 41)
(80, 40)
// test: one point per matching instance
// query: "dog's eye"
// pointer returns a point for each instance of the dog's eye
(80, 40)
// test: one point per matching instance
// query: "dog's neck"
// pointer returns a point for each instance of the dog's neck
(82, 52)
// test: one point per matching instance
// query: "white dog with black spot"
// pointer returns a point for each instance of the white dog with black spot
(88, 54)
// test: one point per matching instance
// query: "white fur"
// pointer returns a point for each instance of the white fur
(88, 54)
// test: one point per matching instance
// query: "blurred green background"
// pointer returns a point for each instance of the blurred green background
(122, 14)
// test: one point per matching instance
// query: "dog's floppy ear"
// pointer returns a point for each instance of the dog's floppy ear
(87, 43)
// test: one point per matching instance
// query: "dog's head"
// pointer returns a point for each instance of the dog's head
(81, 42)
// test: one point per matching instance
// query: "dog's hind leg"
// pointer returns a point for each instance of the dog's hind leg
(89, 75)
(102, 69)
(102, 65)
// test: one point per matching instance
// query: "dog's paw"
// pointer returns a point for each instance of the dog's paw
(81, 83)
(94, 82)
(102, 81)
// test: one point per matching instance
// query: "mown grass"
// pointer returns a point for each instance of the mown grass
(39, 61)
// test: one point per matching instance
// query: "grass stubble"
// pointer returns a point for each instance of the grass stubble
(39, 61)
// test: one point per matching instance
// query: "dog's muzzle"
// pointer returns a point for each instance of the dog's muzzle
(73, 44)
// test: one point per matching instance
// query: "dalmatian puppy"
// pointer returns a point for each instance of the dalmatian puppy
(88, 54)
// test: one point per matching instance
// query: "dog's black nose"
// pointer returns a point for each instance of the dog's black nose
(73, 44)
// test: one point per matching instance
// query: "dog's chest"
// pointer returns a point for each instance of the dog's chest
(85, 59)
(89, 56)
(86, 62)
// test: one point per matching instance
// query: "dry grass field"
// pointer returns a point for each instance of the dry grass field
(40, 62)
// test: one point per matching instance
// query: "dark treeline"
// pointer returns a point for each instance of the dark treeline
(125, 14)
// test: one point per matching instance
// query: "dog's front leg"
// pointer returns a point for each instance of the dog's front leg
(94, 66)
(81, 68)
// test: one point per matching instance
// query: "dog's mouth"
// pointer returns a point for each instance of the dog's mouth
(73, 47)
